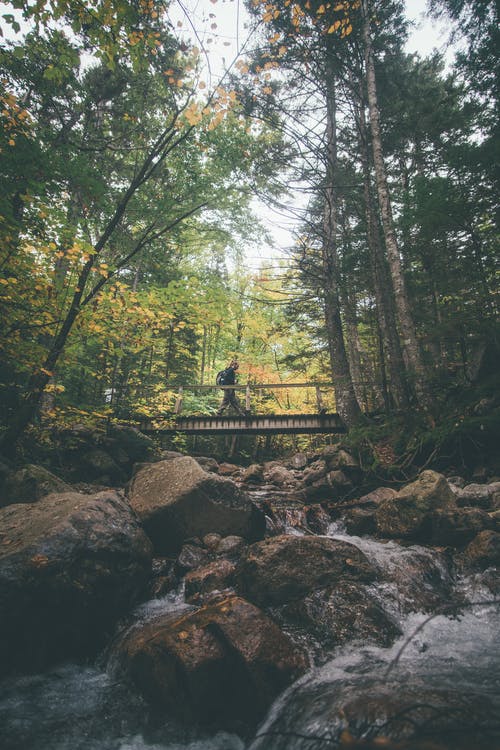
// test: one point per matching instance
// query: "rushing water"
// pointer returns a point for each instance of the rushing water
(76, 707)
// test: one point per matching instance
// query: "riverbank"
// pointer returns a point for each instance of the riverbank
(208, 605)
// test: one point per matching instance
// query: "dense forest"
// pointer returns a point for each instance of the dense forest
(130, 176)
(249, 589)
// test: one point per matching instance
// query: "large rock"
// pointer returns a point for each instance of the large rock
(215, 576)
(360, 521)
(29, 484)
(98, 465)
(221, 665)
(280, 475)
(479, 495)
(315, 472)
(484, 550)
(409, 513)
(298, 461)
(176, 500)
(284, 568)
(70, 566)
(104, 457)
(381, 714)
(458, 526)
(339, 614)
(253, 474)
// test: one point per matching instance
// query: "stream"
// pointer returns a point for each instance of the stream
(455, 650)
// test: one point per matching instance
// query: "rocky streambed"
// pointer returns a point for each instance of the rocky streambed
(204, 605)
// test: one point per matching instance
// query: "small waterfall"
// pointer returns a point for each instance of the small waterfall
(445, 664)
(442, 674)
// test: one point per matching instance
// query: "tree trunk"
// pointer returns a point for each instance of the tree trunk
(391, 352)
(41, 377)
(403, 311)
(203, 355)
(345, 398)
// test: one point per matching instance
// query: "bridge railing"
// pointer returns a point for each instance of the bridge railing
(248, 388)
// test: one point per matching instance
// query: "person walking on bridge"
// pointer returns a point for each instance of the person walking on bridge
(228, 377)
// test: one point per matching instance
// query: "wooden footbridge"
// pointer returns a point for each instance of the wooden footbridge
(319, 422)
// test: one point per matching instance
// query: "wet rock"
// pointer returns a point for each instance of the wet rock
(414, 579)
(360, 521)
(211, 541)
(340, 614)
(321, 489)
(458, 526)
(190, 557)
(375, 497)
(29, 484)
(484, 550)
(284, 568)
(230, 546)
(408, 514)
(221, 665)
(282, 515)
(207, 463)
(317, 518)
(215, 576)
(228, 470)
(372, 714)
(70, 566)
(253, 474)
(164, 577)
(315, 472)
(478, 495)
(298, 461)
(176, 500)
(279, 475)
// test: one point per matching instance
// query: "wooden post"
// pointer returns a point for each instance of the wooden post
(319, 400)
(178, 403)
(247, 398)
(234, 443)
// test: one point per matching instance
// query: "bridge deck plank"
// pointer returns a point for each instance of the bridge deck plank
(276, 424)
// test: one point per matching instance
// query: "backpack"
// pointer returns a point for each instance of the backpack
(221, 378)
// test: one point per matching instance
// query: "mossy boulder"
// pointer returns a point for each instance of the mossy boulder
(70, 566)
(29, 484)
(409, 513)
(177, 500)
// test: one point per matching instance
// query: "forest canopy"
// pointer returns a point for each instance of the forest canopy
(130, 176)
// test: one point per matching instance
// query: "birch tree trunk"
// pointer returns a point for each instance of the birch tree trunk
(403, 312)
(384, 298)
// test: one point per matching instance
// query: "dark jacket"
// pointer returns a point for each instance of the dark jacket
(230, 376)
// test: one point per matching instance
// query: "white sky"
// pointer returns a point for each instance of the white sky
(220, 29)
